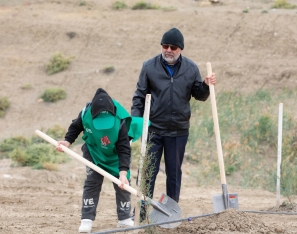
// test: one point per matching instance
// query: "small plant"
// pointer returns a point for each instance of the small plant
(10, 144)
(108, 69)
(53, 95)
(170, 8)
(4, 104)
(283, 4)
(20, 157)
(144, 6)
(50, 166)
(26, 86)
(146, 177)
(246, 11)
(46, 165)
(119, 5)
(58, 63)
(82, 3)
(56, 132)
(36, 154)
(39, 154)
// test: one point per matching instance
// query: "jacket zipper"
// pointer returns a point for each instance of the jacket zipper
(171, 97)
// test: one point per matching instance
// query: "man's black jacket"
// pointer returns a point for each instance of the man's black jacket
(170, 96)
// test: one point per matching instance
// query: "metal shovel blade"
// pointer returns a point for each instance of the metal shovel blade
(173, 212)
(219, 202)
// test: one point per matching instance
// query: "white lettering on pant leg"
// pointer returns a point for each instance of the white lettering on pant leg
(125, 205)
(91, 201)
(89, 171)
(88, 202)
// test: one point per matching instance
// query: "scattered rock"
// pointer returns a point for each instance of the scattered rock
(71, 34)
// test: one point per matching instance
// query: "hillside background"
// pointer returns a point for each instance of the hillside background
(250, 46)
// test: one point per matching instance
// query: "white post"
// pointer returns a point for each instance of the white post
(146, 116)
(279, 153)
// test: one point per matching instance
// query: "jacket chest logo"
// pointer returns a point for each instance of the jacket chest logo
(105, 141)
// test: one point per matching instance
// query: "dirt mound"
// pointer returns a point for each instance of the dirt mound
(229, 221)
(286, 206)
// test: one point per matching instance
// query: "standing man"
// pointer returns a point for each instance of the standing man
(106, 126)
(172, 80)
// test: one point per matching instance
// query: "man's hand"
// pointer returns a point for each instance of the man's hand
(123, 179)
(210, 79)
(65, 143)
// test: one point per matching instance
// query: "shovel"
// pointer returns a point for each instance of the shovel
(221, 201)
(166, 209)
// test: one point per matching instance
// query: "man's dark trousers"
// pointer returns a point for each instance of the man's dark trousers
(174, 149)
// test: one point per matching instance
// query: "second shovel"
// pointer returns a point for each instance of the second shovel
(226, 200)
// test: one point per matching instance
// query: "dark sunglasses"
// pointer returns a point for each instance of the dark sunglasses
(172, 47)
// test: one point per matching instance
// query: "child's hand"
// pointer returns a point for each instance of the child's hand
(65, 143)
(123, 179)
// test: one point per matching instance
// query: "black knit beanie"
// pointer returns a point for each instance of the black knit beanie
(173, 37)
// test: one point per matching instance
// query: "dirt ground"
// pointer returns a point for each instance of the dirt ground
(34, 201)
(250, 46)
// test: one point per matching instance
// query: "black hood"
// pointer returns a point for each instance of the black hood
(102, 102)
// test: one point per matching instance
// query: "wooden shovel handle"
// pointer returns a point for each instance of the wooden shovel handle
(216, 126)
(86, 162)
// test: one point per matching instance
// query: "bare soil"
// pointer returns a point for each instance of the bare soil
(249, 45)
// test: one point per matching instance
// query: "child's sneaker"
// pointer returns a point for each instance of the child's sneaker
(85, 226)
(126, 223)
